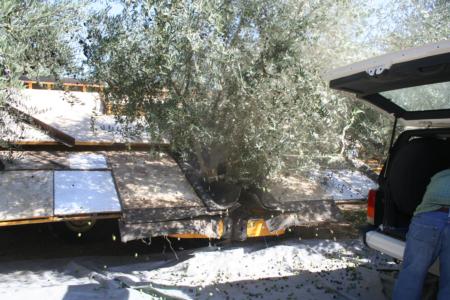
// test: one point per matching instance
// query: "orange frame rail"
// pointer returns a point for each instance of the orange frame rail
(49, 85)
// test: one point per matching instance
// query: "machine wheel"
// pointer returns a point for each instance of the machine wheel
(80, 226)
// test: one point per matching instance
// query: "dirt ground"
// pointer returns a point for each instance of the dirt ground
(45, 241)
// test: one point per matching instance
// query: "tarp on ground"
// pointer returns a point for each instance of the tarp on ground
(290, 269)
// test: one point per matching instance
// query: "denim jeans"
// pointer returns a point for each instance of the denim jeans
(428, 238)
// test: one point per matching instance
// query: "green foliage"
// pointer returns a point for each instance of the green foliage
(417, 22)
(240, 80)
(235, 83)
(229, 78)
(35, 40)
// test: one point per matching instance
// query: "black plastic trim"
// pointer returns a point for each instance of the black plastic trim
(389, 106)
(432, 69)
(428, 70)
(385, 104)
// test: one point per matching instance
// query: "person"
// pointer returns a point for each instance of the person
(427, 239)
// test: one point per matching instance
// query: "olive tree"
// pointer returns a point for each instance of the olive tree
(238, 84)
(229, 81)
(36, 38)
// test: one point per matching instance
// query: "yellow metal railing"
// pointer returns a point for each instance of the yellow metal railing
(66, 85)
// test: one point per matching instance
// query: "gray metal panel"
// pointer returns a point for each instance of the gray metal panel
(26, 194)
(87, 161)
(52, 160)
(146, 182)
(78, 115)
(34, 160)
(85, 192)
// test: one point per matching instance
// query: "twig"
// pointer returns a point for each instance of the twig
(170, 245)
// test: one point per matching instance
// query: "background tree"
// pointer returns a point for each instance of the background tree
(36, 39)
(416, 22)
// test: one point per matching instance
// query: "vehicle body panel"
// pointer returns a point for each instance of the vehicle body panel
(370, 79)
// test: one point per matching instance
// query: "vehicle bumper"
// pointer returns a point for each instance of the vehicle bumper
(392, 247)
(385, 244)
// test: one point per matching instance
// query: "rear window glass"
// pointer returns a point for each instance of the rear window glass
(419, 98)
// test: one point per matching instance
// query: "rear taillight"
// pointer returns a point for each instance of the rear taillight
(371, 200)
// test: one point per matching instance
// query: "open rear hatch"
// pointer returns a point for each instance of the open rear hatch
(410, 85)
(413, 87)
